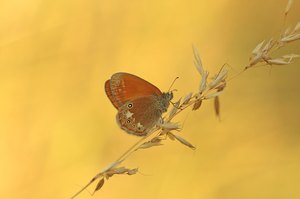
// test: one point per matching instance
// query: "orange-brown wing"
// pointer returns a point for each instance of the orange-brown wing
(123, 87)
(110, 95)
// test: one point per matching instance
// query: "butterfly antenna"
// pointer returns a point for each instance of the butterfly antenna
(172, 83)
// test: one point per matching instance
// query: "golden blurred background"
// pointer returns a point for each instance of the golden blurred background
(58, 129)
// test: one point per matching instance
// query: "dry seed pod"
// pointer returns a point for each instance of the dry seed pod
(197, 105)
(99, 185)
(217, 106)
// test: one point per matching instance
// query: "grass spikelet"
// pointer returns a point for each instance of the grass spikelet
(151, 143)
(277, 61)
(170, 126)
(202, 72)
(176, 107)
(187, 98)
(181, 140)
(288, 7)
(263, 52)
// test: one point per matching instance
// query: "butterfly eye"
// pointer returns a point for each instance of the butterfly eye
(129, 105)
(128, 121)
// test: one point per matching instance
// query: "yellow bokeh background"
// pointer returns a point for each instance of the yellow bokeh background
(58, 129)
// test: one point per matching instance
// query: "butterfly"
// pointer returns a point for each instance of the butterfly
(140, 104)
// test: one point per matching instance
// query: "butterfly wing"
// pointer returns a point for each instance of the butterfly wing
(139, 115)
(123, 87)
(110, 95)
